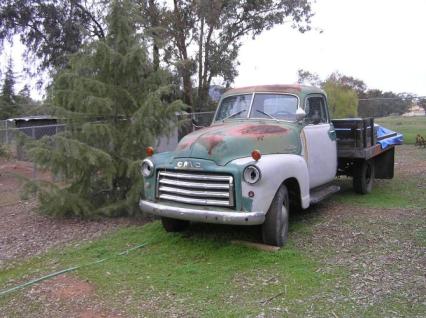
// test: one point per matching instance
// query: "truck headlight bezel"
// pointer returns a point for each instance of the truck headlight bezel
(252, 174)
(147, 168)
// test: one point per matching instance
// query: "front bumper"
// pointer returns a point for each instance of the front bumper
(205, 216)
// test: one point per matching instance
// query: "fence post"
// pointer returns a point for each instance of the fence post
(7, 134)
(34, 164)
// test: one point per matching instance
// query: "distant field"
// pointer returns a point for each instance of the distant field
(408, 126)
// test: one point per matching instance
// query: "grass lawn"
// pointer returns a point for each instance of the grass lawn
(408, 126)
(203, 271)
(351, 256)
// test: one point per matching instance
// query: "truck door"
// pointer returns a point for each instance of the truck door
(320, 141)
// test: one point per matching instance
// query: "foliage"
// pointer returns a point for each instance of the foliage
(342, 100)
(306, 77)
(372, 102)
(115, 105)
(8, 90)
(375, 103)
(341, 91)
(349, 82)
(50, 30)
(205, 36)
(11, 104)
(8, 106)
(5, 151)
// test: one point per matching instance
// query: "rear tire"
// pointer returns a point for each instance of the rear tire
(174, 225)
(275, 227)
(363, 176)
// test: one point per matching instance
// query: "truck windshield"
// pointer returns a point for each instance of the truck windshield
(234, 107)
(276, 106)
(265, 105)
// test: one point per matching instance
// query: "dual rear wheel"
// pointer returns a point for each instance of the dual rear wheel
(363, 176)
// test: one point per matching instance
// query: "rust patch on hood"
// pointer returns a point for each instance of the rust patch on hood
(210, 142)
(256, 130)
(239, 135)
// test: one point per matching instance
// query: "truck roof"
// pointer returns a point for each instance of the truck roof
(278, 88)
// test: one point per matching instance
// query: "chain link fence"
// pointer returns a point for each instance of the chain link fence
(11, 134)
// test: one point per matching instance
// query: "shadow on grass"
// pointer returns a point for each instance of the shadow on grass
(298, 221)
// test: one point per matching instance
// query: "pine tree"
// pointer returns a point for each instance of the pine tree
(7, 98)
(115, 104)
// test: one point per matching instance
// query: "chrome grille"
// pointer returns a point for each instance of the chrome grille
(193, 187)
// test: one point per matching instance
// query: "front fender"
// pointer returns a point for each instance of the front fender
(275, 169)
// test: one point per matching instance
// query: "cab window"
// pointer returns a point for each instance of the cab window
(316, 110)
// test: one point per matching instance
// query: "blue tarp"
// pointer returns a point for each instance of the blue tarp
(398, 139)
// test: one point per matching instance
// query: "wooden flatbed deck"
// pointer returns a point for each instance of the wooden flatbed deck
(356, 139)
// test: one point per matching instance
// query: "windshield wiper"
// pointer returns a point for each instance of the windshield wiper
(234, 114)
(262, 112)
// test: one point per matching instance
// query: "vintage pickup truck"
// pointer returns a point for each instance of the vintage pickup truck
(269, 150)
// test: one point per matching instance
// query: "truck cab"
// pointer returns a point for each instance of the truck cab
(269, 149)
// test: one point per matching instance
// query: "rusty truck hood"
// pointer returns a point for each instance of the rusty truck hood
(224, 142)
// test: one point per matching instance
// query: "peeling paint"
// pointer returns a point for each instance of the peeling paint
(210, 142)
(256, 130)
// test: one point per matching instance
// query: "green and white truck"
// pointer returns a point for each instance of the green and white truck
(269, 149)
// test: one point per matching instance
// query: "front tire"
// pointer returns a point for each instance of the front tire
(174, 225)
(275, 227)
(363, 176)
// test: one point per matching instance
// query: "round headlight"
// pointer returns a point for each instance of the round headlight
(251, 174)
(147, 168)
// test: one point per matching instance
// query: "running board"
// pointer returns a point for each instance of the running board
(322, 193)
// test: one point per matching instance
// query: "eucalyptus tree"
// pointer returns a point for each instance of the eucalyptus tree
(206, 35)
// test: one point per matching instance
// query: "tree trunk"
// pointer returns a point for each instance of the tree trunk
(200, 64)
(204, 83)
(187, 89)
(154, 21)
(155, 56)
(182, 47)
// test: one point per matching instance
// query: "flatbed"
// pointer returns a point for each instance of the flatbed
(357, 138)
(362, 152)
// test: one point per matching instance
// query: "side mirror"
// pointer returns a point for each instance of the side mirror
(300, 114)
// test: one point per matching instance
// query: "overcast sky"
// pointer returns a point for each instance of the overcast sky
(382, 42)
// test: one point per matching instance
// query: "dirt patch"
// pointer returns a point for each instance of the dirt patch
(411, 161)
(378, 249)
(66, 287)
(24, 232)
(10, 183)
(69, 296)
(90, 313)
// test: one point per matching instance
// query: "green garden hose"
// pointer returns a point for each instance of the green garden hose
(70, 269)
